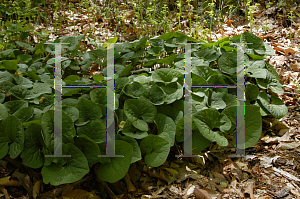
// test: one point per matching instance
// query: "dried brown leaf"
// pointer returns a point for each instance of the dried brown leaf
(201, 194)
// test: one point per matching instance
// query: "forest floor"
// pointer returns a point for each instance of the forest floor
(271, 169)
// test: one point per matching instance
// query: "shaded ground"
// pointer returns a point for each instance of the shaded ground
(270, 169)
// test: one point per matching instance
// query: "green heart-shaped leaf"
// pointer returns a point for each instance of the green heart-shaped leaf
(157, 149)
(134, 90)
(173, 92)
(88, 111)
(98, 95)
(3, 112)
(32, 154)
(74, 169)
(166, 75)
(206, 120)
(251, 92)
(88, 147)
(139, 112)
(24, 114)
(154, 94)
(68, 129)
(116, 167)
(254, 41)
(136, 156)
(11, 131)
(93, 130)
(277, 106)
(166, 128)
(228, 62)
(133, 132)
(253, 123)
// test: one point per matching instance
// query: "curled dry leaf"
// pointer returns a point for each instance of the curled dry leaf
(36, 189)
(7, 182)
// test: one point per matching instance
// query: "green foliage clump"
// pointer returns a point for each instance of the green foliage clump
(149, 104)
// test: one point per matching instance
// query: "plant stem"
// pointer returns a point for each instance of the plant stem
(179, 6)
(291, 18)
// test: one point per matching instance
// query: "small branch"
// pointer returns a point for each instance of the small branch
(292, 93)
(290, 118)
